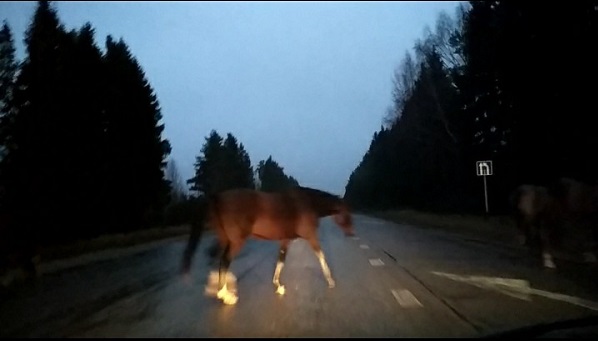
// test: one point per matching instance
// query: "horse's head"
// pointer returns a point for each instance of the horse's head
(344, 219)
(327, 204)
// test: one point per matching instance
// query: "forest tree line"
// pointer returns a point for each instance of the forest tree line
(82, 151)
(510, 82)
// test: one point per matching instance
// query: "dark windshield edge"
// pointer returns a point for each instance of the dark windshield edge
(539, 329)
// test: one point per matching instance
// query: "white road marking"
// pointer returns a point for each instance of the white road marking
(376, 262)
(406, 299)
(517, 288)
(355, 238)
(507, 286)
(364, 246)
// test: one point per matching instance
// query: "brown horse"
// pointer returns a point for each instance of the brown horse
(242, 213)
(545, 215)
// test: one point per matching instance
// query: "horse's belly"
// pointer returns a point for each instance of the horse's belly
(266, 229)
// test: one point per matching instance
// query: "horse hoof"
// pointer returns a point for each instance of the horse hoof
(227, 296)
(222, 293)
(549, 264)
(331, 284)
(280, 290)
(230, 299)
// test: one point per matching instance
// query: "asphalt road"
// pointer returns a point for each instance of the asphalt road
(391, 281)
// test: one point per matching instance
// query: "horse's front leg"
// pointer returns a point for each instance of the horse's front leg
(282, 254)
(316, 247)
(547, 247)
(227, 296)
(524, 231)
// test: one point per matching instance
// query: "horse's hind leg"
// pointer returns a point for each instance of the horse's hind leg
(316, 247)
(282, 254)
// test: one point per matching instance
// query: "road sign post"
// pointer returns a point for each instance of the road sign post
(486, 194)
(484, 168)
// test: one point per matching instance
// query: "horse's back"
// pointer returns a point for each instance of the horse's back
(235, 206)
(247, 212)
(284, 215)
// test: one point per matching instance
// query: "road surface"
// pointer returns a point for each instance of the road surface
(391, 281)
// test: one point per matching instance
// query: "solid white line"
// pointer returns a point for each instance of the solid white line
(566, 298)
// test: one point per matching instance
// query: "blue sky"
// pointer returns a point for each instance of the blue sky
(305, 82)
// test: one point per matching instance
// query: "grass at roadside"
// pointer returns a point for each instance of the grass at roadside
(111, 241)
(52, 258)
(575, 245)
(496, 228)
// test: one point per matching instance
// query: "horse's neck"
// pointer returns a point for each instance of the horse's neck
(323, 203)
(328, 209)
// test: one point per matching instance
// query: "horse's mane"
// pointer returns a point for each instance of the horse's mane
(323, 202)
(318, 193)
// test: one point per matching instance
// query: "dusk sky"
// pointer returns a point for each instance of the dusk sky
(306, 82)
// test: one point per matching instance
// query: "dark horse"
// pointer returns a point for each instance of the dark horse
(242, 213)
(545, 215)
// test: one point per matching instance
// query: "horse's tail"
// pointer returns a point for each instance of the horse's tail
(197, 224)
(216, 248)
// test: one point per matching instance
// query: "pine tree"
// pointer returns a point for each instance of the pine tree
(82, 131)
(36, 155)
(222, 165)
(8, 68)
(208, 167)
(135, 151)
(239, 172)
(272, 177)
